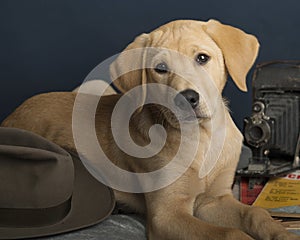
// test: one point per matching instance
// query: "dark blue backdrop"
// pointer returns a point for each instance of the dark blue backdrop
(48, 45)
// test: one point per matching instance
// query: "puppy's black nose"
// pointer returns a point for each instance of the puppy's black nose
(186, 98)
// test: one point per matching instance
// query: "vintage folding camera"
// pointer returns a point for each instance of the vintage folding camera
(272, 132)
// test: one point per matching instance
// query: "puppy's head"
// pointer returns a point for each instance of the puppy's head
(191, 57)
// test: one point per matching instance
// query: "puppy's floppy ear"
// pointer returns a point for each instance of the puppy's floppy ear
(239, 49)
(128, 70)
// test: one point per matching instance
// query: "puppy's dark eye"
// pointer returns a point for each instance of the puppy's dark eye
(202, 58)
(161, 68)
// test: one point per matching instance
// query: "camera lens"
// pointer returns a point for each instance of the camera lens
(256, 133)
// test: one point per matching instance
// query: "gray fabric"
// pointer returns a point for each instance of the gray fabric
(115, 227)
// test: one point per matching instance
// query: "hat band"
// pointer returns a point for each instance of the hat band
(34, 217)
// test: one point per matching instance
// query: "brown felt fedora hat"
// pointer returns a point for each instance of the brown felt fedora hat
(45, 190)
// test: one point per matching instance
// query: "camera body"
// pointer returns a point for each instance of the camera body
(272, 131)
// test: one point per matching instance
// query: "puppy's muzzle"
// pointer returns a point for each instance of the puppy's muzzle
(186, 99)
(191, 106)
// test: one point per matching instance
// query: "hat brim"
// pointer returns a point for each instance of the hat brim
(91, 203)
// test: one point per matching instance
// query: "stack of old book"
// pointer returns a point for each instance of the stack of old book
(280, 196)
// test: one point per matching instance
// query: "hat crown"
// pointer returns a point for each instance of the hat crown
(36, 177)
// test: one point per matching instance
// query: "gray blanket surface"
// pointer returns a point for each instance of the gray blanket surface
(115, 227)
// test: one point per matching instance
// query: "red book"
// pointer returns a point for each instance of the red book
(250, 188)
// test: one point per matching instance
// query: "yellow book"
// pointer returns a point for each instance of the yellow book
(280, 192)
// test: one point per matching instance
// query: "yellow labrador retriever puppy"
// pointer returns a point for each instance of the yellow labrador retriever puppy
(198, 203)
